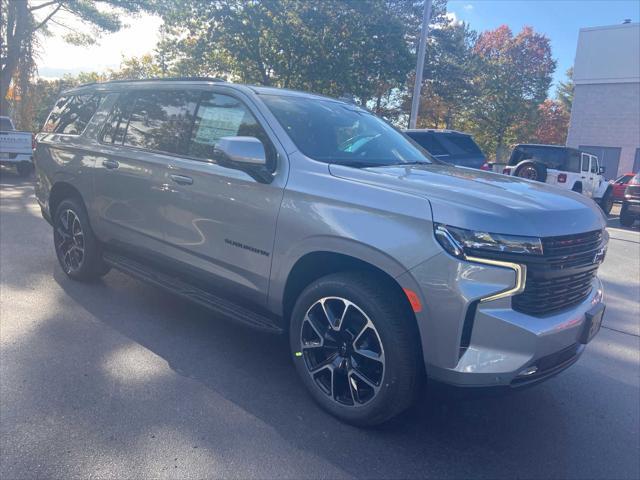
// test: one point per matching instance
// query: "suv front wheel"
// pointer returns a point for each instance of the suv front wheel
(77, 248)
(354, 344)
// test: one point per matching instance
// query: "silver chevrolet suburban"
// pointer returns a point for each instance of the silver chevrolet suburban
(300, 214)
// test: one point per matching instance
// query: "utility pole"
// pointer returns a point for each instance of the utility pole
(415, 101)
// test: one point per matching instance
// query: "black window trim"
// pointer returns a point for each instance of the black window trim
(229, 93)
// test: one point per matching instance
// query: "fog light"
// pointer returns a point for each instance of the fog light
(528, 371)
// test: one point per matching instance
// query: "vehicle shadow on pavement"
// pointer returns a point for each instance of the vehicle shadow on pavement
(441, 436)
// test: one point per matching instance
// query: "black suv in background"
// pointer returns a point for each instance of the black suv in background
(630, 211)
(452, 147)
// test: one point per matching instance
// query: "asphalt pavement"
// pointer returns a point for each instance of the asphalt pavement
(118, 379)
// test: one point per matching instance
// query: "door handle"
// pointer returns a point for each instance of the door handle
(110, 164)
(181, 179)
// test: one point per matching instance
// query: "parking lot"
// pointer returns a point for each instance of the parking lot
(119, 379)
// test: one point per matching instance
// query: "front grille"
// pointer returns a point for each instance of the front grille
(562, 276)
(542, 296)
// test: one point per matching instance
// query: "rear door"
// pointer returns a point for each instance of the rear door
(145, 129)
(221, 220)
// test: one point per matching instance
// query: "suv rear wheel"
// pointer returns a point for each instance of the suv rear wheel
(77, 248)
(355, 347)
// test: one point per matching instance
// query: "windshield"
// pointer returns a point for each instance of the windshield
(334, 132)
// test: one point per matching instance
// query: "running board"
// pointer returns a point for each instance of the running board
(195, 294)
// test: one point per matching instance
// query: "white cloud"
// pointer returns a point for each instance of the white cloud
(453, 18)
(468, 7)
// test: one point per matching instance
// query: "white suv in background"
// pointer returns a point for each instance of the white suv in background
(564, 167)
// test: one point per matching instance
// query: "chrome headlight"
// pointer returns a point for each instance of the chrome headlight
(458, 241)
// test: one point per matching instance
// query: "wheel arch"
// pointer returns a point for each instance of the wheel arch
(316, 264)
(60, 191)
(577, 187)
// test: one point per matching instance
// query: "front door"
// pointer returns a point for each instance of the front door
(219, 218)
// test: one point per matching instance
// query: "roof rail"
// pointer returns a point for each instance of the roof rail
(163, 79)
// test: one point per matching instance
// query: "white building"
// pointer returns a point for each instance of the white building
(605, 117)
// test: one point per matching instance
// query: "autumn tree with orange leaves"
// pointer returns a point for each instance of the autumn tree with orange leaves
(514, 76)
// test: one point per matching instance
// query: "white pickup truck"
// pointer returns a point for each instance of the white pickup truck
(16, 148)
(564, 167)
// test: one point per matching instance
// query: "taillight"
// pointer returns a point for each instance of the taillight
(506, 171)
(485, 166)
(562, 178)
(33, 142)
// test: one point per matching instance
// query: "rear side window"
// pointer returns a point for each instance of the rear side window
(428, 141)
(224, 116)
(161, 120)
(458, 144)
(72, 114)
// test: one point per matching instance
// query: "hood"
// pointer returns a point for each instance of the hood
(491, 202)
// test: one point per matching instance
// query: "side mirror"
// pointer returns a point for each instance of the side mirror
(247, 151)
(602, 170)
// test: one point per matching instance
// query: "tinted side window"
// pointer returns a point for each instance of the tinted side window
(161, 120)
(585, 162)
(573, 161)
(72, 114)
(116, 125)
(428, 141)
(224, 116)
(458, 144)
(594, 164)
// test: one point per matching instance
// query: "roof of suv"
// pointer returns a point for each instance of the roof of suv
(116, 85)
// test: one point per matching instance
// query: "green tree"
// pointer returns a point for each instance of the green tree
(335, 47)
(512, 80)
(564, 91)
(450, 67)
(23, 21)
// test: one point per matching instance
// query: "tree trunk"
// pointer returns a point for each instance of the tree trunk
(16, 36)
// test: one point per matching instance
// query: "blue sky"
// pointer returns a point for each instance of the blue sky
(560, 20)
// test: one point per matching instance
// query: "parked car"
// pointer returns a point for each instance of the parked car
(630, 211)
(619, 186)
(16, 148)
(303, 215)
(563, 167)
(449, 146)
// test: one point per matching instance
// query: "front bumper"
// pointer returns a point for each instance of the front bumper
(485, 344)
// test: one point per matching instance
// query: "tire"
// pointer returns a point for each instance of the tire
(577, 187)
(360, 390)
(531, 171)
(626, 220)
(77, 249)
(24, 169)
(606, 202)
